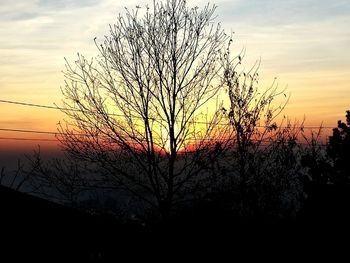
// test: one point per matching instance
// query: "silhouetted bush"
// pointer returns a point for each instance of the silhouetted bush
(339, 151)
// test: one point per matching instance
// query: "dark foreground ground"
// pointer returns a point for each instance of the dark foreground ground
(35, 229)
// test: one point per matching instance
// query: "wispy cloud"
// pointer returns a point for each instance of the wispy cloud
(277, 13)
(291, 35)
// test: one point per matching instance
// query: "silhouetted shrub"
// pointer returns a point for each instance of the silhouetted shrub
(339, 151)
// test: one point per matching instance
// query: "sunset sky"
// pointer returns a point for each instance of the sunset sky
(304, 43)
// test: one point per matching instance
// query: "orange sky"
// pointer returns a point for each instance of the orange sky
(303, 43)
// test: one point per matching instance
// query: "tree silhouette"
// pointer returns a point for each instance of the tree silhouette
(338, 150)
(315, 159)
(256, 137)
(134, 109)
(59, 180)
(19, 179)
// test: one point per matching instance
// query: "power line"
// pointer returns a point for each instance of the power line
(27, 139)
(28, 131)
(266, 141)
(121, 115)
(49, 107)
(76, 110)
(41, 132)
(80, 134)
(52, 140)
(31, 104)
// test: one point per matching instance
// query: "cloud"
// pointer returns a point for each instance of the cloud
(7, 7)
(291, 35)
(66, 4)
(47, 23)
(277, 13)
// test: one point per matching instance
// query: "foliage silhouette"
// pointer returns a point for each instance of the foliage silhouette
(328, 165)
(262, 153)
(338, 150)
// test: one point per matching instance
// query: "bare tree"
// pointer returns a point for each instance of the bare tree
(61, 180)
(19, 178)
(135, 109)
(252, 114)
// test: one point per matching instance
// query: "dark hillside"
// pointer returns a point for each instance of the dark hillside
(35, 228)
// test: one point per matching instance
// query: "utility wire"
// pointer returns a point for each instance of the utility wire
(121, 115)
(53, 140)
(41, 132)
(27, 139)
(80, 134)
(28, 131)
(30, 104)
(265, 141)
